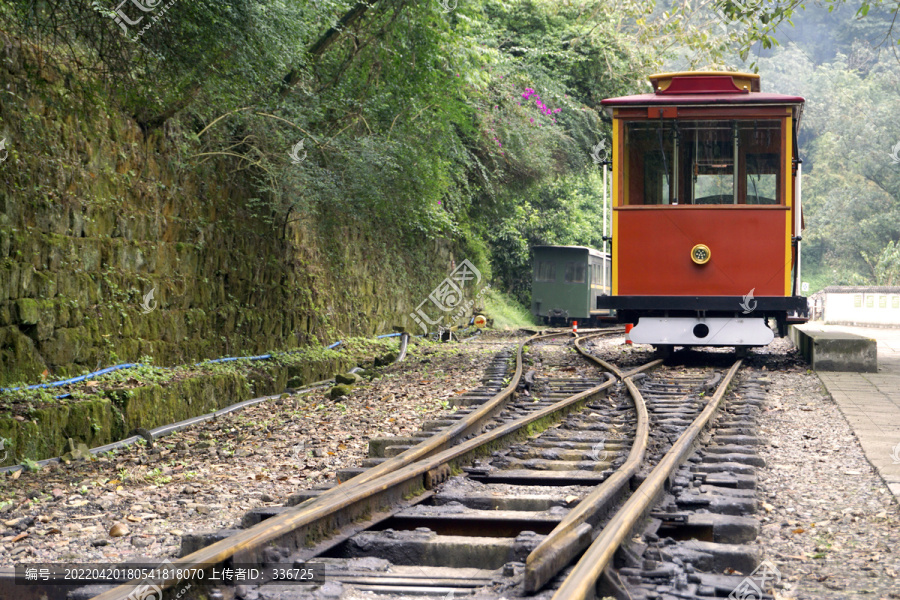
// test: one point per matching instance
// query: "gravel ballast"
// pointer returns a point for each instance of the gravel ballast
(829, 523)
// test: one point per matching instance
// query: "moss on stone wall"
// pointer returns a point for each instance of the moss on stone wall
(113, 415)
(95, 214)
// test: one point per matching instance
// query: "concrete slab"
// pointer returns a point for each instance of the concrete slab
(828, 349)
(870, 401)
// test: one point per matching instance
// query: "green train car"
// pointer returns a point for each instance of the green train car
(566, 283)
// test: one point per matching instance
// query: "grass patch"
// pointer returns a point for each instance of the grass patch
(506, 313)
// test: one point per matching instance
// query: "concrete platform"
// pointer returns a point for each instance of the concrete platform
(829, 348)
(871, 402)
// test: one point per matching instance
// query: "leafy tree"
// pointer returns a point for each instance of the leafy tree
(474, 125)
(886, 266)
(758, 20)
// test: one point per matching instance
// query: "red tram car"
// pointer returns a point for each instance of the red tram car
(706, 216)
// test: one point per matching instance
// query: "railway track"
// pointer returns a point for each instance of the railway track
(528, 494)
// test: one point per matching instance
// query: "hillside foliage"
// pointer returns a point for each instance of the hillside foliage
(409, 117)
(466, 120)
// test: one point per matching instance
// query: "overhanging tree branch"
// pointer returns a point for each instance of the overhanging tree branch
(328, 38)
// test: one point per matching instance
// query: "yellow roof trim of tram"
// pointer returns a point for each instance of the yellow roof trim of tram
(747, 81)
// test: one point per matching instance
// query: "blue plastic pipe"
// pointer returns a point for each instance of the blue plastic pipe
(81, 378)
(78, 379)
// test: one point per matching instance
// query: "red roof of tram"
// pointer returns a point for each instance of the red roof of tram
(703, 88)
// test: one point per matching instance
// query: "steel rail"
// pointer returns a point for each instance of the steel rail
(573, 534)
(471, 423)
(581, 582)
(312, 521)
(608, 366)
(466, 426)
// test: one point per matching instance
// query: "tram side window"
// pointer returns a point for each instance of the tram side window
(598, 270)
(723, 161)
(545, 270)
(575, 272)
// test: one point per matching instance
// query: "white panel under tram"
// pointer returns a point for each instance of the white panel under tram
(713, 331)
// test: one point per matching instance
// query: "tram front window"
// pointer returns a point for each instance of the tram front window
(702, 162)
(762, 178)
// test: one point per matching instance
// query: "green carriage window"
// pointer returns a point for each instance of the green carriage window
(545, 270)
(575, 272)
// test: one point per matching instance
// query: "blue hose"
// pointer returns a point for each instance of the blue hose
(78, 379)
(81, 378)
(166, 429)
(169, 429)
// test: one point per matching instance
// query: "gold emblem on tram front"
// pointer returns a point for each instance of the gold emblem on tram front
(700, 254)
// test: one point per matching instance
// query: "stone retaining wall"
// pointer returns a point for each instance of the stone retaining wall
(95, 214)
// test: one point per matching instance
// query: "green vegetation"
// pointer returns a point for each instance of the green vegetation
(156, 477)
(340, 390)
(766, 23)
(112, 406)
(30, 465)
(412, 120)
(506, 314)
(122, 383)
